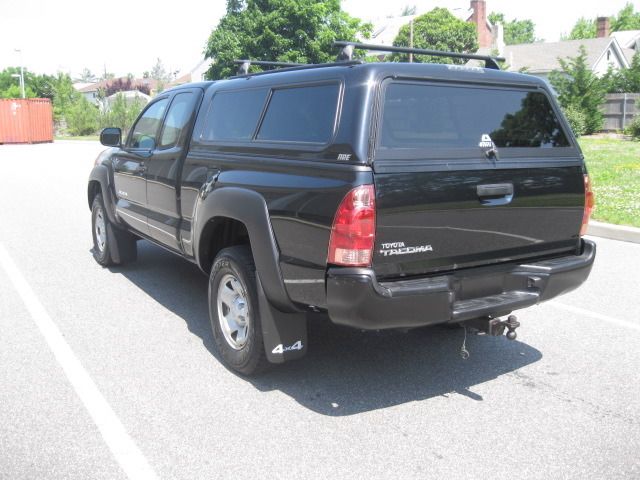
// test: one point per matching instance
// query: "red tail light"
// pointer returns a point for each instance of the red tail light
(589, 205)
(354, 229)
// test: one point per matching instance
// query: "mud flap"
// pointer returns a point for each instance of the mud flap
(121, 246)
(284, 334)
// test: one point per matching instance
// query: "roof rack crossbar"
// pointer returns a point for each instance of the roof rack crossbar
(243, 65)
(288, 67)
(348, 47)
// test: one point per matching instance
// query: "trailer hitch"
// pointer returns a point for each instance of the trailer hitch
(490, 326)
(494, 326)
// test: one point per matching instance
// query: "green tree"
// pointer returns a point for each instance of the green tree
(58, 88)
(10, 84)
(280, 30)
(631, 76)
(627, 19)
(580, 88)
(44, 86)
(64, 95)
(235, 6)
(612, 81)
(515, 31)
(86, 76)
(122, 112)
(577, 120)
(14, 91)
(633, 128)
(160, 75)
(438, 29)
(82, 118)
(584, 28)
(66, 100)
(625, 80)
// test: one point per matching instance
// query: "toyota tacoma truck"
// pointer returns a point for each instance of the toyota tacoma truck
(383, 195)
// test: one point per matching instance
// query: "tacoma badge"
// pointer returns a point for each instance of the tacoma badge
(399, 248)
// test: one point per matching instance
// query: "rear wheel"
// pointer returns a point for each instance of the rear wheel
(111, 246)
(233, 311)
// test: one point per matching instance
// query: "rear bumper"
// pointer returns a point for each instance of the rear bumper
(355, 298)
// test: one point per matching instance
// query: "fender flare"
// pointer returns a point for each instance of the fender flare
(250, 208)
(100, 174)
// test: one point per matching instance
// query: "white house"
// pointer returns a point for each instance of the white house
(628, 39)
(196, 74)
(614, 51)
(540, 59)
(130, 96)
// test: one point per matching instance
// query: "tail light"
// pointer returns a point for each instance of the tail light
(589, 205)
(354, 229)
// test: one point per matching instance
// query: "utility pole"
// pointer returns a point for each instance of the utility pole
(411, 40)
(21, 72)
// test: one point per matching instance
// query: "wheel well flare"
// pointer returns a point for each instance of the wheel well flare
(219, 233)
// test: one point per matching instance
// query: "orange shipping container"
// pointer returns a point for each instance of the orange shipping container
(28, 120)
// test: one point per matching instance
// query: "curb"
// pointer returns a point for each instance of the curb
(614, 232)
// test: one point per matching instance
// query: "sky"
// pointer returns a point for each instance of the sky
(128, 36)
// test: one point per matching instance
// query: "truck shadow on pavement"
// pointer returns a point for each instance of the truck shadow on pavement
(345, 371)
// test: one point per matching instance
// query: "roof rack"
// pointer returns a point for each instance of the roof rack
(287, 67)
(348, 47)
(243, 65)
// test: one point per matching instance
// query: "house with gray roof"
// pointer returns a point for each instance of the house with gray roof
(540, 59)
(385, 29)
(607, 51)
(628, 39)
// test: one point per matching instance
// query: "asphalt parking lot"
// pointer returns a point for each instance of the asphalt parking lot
(111, 373)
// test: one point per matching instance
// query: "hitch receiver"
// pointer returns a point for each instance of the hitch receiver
(494, 326)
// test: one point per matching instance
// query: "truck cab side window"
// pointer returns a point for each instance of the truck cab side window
(177, 119)
(301, 114)
(145, 130)
(234, 115)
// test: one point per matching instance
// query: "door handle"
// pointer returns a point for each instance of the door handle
(141, 168)
(495, 194)
(495, 190)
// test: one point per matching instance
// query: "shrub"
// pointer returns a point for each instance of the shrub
(122, 112)
(633, 128)
(578, 86)
(577, 119)
(82, 118)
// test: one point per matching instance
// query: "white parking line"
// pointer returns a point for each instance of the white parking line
(127, 454)
(599, 316)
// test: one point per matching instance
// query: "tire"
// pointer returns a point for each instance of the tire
(234, 311)
(111, 246)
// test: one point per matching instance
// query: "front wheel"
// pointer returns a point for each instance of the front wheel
(111, 246)
(234, 313)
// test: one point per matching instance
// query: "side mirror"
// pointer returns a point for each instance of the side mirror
(111, 137)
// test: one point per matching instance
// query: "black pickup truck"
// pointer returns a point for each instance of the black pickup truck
(386, 195)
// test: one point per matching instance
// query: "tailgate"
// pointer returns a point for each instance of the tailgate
(433, 221)
(472, 175)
